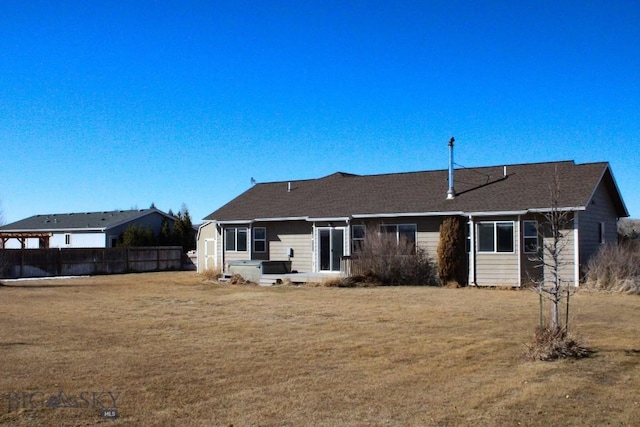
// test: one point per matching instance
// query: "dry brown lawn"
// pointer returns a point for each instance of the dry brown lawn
(187, 353)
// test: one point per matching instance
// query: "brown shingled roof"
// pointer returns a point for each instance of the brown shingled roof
(485, 189)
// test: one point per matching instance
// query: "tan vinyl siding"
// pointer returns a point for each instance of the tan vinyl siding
(236, 256)
(600, 210)
(499, 268)
(295, 235)
(429, 234)
(567, 256)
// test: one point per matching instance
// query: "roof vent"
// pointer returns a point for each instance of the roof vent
(289, 187)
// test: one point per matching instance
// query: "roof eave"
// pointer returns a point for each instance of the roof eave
(233, 221)
(51, 230)
(334, 218)
(564, 209)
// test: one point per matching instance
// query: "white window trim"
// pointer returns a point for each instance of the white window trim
(495, 237)
(235, 236)
(317, 242)
(525, 237)
(357, 239)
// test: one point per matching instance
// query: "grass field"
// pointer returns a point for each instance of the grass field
(173, 350)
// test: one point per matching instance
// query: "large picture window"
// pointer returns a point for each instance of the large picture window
(530, 236)
(495, 236)
(235, 239)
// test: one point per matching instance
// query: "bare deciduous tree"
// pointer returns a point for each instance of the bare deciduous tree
(552, 284)
(552, 340)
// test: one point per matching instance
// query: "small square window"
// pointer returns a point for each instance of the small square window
(259, 239)
(530, 236)
(357, 237)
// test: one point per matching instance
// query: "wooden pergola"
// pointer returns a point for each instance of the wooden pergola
(22, 238)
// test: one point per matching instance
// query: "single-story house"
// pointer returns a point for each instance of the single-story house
(78, 230)
(316, 223)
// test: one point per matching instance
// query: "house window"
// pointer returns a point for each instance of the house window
(601, 237)
(530, 236)
(357, 237)
(67, 239)
(403, 232)
(259, 239)
(495, 236)
(235, 239)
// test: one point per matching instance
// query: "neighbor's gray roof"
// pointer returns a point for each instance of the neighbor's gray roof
(485, 189)
(78, 221)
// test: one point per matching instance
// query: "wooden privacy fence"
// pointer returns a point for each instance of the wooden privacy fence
(18, 263)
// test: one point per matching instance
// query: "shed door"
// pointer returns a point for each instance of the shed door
(210, 254)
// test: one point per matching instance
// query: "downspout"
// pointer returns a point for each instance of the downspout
(576, 250)
(314, 261)
(472, 252)
(250, 240)
(518, 244)
(222, 251)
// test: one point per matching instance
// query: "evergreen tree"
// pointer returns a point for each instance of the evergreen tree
(164, 239)
(452, 257)
(183, 233)
(138, 236)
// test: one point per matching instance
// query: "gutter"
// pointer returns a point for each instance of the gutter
(394, 215)
(51, 230)
(399, 215)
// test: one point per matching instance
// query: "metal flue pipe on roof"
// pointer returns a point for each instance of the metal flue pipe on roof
(451, 193)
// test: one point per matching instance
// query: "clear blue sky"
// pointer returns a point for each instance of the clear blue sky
(117, 104)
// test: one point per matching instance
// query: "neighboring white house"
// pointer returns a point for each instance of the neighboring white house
(78, 230)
